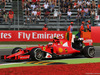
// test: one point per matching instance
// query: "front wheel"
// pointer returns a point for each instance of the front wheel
(36, 54)
(89, 51)
(15, 50)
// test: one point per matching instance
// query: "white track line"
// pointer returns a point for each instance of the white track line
(12, 63)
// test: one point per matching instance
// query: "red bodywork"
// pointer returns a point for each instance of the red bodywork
(59, 47)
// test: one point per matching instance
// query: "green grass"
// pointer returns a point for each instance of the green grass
(69, 61)
(75, 32)
(96, 44)
(79, 61)
(32, 43)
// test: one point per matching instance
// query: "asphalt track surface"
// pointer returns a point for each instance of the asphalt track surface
(8, 52)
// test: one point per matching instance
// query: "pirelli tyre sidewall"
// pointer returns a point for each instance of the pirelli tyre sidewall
(15, 50)
(36, 54)
(89, 51)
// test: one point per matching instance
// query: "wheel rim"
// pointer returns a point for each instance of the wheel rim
(17, 50)
(91, 52)
(38, 54)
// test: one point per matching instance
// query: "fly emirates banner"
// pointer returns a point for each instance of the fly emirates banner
(31, 35)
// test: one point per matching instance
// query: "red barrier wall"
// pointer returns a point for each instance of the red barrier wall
(31, 35)
(42, 35)
(95, 32)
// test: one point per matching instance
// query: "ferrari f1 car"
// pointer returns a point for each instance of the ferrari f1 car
(58, 48)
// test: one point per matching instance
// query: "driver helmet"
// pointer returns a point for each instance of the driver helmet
(56, 40)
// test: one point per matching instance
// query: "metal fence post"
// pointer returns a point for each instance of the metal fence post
(18, 12)
(14, 21)
(58, 29)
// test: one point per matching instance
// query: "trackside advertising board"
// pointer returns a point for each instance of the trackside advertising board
(95, 33)
(42, 35)
(31, 35)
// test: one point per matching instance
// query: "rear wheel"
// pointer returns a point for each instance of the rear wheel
(36, 54)
(15, 50)
(89, 51)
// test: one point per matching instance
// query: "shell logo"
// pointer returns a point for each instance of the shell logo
(60, 50)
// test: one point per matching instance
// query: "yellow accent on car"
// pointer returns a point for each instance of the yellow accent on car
(44, 48)
(61, 42)
(60, 50)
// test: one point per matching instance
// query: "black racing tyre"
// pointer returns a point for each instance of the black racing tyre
(15, 50)
(89, 51)
(36, 54)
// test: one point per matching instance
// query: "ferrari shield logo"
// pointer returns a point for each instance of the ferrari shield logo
(44, 48)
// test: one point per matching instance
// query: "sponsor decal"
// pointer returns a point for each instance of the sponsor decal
(48, 55)
(5, 35)
(66, 50)
(36, 35)
(24, 57)
(65, 44)
(31, 35)
(60, 50)
(87, 41)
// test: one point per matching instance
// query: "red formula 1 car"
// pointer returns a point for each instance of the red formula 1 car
(56, 49)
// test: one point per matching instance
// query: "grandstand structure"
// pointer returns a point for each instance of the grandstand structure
(53, 24)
